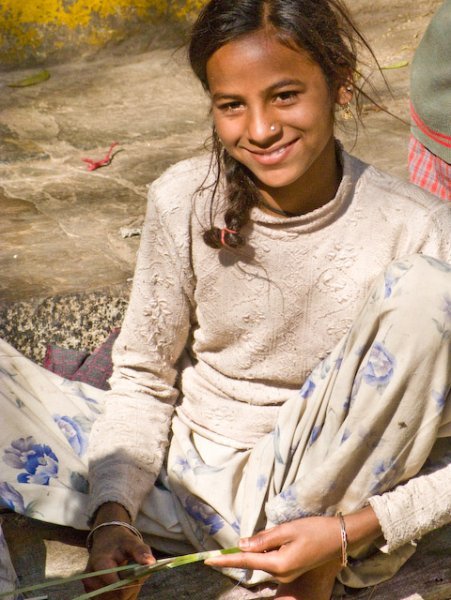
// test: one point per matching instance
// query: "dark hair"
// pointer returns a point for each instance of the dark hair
(323, 28)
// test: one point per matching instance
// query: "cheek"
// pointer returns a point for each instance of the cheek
(228, 131)
(311, 116)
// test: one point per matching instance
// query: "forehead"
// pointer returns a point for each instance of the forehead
(259, 60)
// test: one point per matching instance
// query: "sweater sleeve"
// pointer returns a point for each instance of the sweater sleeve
(415, 508)
(128, 442)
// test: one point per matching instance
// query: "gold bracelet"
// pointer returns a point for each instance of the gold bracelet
(344, 541)
(89, 540)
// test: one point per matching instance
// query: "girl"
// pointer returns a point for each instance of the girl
(284, 360)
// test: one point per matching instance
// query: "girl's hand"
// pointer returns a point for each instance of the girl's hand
(115, 546)
(289, 550)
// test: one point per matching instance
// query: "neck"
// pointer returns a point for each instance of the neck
(278, 211)
(316, 187)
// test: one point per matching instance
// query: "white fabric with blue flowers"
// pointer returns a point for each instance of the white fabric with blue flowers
(366, 419)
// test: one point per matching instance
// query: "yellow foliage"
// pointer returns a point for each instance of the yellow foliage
(41, 26)
(188, 9)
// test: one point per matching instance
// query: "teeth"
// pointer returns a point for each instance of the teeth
(277, 152)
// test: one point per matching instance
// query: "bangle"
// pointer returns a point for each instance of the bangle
(89, 540)
(344, 541)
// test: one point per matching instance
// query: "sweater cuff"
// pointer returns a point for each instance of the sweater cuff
(415, 508)
(123, 483)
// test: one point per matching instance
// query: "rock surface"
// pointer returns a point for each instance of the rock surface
(61, 225)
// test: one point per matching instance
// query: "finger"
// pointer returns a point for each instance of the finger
(271, 539)
(95, 583)
(227, 560)
(141, 554)
(125, 593)
(267, 561)
(121, 549)
(270, 562)
(131, 592)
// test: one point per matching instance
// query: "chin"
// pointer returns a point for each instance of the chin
(277, 181)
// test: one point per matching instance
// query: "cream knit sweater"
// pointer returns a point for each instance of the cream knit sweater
(238, 332)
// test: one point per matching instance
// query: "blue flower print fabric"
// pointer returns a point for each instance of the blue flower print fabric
(364, 421)
(37, 463)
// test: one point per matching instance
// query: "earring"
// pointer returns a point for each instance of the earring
(345, 112)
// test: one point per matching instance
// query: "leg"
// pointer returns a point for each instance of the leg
(43, 440)
(313, 585)
(379, 405)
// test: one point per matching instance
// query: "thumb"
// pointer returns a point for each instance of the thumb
(142, 554)
(271, 539)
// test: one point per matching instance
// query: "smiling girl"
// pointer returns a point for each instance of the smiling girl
(285, 359)
(280, 264)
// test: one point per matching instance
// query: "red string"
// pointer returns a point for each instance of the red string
(224, 230)
(104, 162)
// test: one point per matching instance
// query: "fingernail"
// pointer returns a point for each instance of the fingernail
(148, 556)
(244, 543)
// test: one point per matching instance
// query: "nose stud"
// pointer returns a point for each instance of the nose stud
(273, 127)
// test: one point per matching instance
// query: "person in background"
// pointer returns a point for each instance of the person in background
(430, 107)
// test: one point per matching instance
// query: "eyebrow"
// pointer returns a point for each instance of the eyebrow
(272, 88)
(285, 83)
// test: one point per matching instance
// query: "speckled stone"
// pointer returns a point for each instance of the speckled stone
(78, 321)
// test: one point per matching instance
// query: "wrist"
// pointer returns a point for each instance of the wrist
(111, 511)
(362, 527)
(107, 524)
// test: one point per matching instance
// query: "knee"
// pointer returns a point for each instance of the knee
(417, 294)
(418, 279)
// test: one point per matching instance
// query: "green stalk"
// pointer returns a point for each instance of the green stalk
(136, 573)
(141, 571)
(107, 588)
(63, 580)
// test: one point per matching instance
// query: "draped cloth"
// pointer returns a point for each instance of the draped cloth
(372, 414)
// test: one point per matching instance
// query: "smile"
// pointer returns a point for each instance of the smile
(274, 156)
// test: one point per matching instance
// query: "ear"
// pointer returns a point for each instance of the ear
(345, 93)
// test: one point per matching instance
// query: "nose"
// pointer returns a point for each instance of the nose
(262, 127)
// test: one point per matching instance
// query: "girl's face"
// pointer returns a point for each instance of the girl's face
(273, 111)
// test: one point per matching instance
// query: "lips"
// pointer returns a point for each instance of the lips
(272, 157)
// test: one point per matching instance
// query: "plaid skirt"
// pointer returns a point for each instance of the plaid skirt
(429, 171)
(366, 419)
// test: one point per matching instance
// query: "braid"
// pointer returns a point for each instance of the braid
(241, 195)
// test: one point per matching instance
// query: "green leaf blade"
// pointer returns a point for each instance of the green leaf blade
(136, 572)
(32, 80)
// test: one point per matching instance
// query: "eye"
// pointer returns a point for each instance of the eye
(287, 97)
(230, 107)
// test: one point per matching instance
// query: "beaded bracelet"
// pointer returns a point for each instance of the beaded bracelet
(344, 541)
(89, 540)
